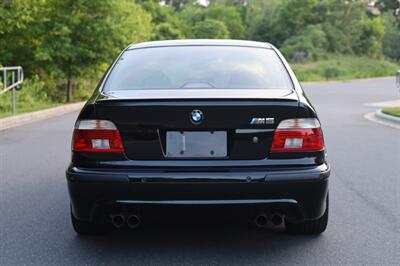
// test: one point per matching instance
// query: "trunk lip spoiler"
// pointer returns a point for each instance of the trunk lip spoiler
(200, 94)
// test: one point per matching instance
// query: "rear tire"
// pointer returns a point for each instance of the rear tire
(87, 228)
(311, 227)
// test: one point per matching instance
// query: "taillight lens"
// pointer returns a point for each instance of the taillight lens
(302, 134)
(96, 136)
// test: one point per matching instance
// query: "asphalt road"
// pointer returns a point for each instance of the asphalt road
(364, 192)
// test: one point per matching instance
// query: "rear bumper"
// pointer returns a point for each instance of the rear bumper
(299, 193)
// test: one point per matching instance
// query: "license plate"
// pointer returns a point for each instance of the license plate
(188, 144)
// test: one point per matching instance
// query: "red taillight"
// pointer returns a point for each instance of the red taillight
(96, 136)
(303, 134)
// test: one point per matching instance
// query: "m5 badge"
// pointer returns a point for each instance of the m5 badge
(262, 121)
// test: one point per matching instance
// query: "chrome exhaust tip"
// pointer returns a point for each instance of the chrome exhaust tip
(118, 220)
(261, 220)
(133, 221)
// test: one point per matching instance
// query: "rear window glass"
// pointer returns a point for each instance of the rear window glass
(199, 67)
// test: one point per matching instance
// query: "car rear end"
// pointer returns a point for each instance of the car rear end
(216, 138)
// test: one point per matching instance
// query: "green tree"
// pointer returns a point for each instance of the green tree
(82, 34)
(346, 25)
(18, 32)
(166, 24)
(178, 4)
(230, 16)
(210, 29)
(290, 19)
(189, 17)
(370, 41)
(159, 13)
(260, 18)
(165, 31)
(310, 44)
(391, 39)
(343, 23)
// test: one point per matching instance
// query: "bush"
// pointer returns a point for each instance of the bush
(312, 43)
(370, 42)
(210, 29)
(391, 39)
(331, 72)
(31, 93)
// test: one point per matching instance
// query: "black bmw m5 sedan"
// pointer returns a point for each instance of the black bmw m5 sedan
(220, 124)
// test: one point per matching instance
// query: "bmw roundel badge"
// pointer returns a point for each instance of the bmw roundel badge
(196, 116)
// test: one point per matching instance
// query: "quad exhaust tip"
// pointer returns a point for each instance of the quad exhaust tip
(277, 219)
(261, 220)
(118, 220)
(133, 221)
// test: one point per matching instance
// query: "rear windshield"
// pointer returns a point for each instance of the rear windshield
(198, 67)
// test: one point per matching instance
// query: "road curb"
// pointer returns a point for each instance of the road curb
(376, 119)
(27, 118)
(391, 118)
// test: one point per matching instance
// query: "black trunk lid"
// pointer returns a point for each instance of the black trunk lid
(144, 124)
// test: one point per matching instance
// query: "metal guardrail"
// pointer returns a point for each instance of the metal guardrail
(16, 76)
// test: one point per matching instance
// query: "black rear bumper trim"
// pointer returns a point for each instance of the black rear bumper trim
(318, 172)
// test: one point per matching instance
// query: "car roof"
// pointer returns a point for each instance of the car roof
(200, 42)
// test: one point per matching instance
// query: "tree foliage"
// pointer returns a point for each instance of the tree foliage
(210, 29)
(65, 44)
(165, 24)
(18, 32)
(311, 44)
(229, 16)
(71, 38)
(342, 27)
(391, 39)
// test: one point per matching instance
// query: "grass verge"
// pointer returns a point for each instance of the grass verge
(29, 108)
(394, 111)
(344, 67)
